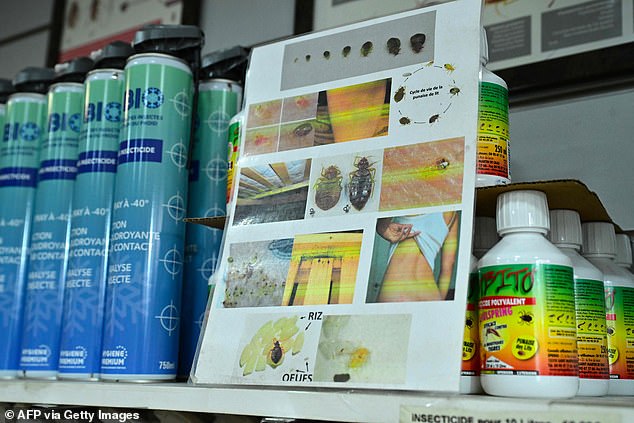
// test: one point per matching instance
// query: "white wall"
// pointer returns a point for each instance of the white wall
(227, 23)
(590, 138)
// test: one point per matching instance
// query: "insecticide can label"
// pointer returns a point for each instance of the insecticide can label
(19, 161)
(84, 295)
(527, 320)
(3, 114)
(591, 334)
(218, 101)
(619, 306)
(147, 236)
(471, 342)
(51, 223)
(493, 130)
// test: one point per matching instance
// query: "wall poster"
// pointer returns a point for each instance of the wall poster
(346, 254)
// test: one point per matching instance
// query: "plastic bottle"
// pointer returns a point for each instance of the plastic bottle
(599, 247)
(484, 237)
(526, 307)
(470, 369)
(592, 343)
(493, 166)
(623, 252)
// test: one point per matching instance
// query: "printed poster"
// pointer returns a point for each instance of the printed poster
(346, 255)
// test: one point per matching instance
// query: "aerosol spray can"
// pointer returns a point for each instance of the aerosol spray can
(84, 296)
(23, 132)
(147, 235)
(219, 99)
(51, 221)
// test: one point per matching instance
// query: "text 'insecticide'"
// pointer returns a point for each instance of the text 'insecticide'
(592, 344)
(219, 99)
(51, 221)
(493, 165)
(147, 235)
(84, 296)
(599, 247)
(526, 308)
(22, 134)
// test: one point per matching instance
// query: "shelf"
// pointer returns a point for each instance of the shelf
(335, 405)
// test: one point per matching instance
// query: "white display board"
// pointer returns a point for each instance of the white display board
(347, 248)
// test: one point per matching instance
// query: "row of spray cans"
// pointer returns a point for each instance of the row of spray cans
(92, 208)
(550, 308)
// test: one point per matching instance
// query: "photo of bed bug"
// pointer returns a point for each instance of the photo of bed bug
(276, 353)
(434, 118)
(361, 182)
(404, 120)
(328, 188)
(449, 67)
(400, 94)
(454, 91)
(417, 42)
(394, 46)
(442, 163)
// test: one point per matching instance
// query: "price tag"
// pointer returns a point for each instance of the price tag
(417, 414)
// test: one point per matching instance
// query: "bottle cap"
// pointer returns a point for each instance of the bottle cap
(113, 55)
(229, 63)
(34, 79)
(599, 239)
(565, 228)
(181, 41)
(6, 89)
(623, 250)
(484, 47)
(485, 235)
(74, 70)
(522, 211)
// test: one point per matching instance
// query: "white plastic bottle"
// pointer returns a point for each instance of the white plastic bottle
(599, 247)
(493, 165)
(484, 237)
(592, 342)
(470, 369)
(623, 252)
(526, 307)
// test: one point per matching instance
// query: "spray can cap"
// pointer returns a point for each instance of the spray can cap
(229, 63)
(34, 79)
(565, 228)
(484, 47)
(74, 70)
(522, 211)
(113, 55)
(182, 41)
(599, 239)
(623, 250)
(6, 89)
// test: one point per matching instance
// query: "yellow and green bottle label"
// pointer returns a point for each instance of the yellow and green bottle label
(591, 336)
(527, 320)
(493, 130)
(619, 307)
(471, 341)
